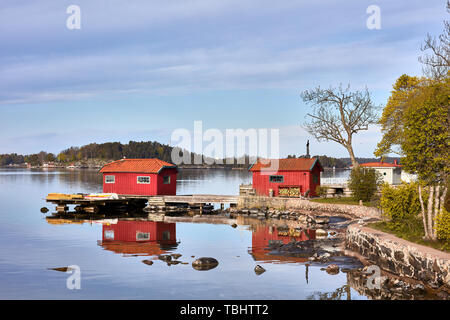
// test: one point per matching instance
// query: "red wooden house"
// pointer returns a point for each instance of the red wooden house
(292, 178)
(139, 237)
(145, 177)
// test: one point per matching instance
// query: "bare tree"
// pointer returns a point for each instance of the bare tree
(339, 114)
(437, 62)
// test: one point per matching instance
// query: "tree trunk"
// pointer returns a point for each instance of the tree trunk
(423, 212)
(444, 193)
(436, 210)
(430, 212)
(352, 156)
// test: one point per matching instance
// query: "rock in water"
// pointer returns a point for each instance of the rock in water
(320, 233)
(332, 269)
(165, 257)
(148, 262)
(44, 210)
(175, 255)
(259, 270)
(61, 269)
(205, 263)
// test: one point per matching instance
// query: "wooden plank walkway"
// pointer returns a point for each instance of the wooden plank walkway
(193, 198)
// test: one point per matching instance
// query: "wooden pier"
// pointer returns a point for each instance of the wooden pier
(125, 203)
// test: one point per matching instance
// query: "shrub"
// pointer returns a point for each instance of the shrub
(364, 183)
(321, 191)
(400, 203)
(443, 225)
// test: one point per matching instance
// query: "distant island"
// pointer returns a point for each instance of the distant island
(95, 155)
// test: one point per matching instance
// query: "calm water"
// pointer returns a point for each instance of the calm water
(29, 246)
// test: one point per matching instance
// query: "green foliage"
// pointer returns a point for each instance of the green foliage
(415, 124)
(363, 183)
(426, 136)
(321, 191)
(443, 226)
(412, 230)
(13, 158)
(401, 203)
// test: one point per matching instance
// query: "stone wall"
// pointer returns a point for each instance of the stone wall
(306, 205)
(399, 256)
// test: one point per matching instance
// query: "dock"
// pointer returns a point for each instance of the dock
(124, 203)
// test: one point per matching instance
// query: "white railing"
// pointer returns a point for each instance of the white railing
(333, 181)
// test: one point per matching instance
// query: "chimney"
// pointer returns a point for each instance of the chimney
(395, 162)
(307, 150)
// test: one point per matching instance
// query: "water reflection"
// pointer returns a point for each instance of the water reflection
(265, 237)
(31, 244)
(144, 238)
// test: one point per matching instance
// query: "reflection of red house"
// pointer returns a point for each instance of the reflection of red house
(139, 237)
(287, 177)
(266, 235)
(146, 177)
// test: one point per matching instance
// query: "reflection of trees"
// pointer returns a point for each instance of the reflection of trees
(335, 295)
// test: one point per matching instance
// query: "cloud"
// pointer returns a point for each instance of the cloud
(75, 77)
(159, 47)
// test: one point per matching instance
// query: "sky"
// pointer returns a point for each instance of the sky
(139, 70)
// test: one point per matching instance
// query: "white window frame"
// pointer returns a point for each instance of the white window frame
(109, 176)
(139, 182)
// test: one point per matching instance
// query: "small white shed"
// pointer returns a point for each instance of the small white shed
(391, 172)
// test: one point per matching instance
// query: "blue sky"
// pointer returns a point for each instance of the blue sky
(137, 70)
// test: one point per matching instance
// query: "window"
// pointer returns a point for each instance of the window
(276, 179)
(166, 179)
(142, 236)
(109, 234)
(110, 179)
(143, 179)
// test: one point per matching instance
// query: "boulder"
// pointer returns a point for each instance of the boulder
(320, 233)
(332, 269)
(165, 257)
(205, 263)
(259, 270)
(322, 220)
(147, 262)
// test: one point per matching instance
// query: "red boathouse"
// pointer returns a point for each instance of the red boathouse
(145, 177)
(293, 178)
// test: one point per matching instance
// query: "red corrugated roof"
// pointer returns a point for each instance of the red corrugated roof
(291, 164)
(380, 164)
(136, 165)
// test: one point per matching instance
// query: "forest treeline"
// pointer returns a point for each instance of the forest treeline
(144, 149)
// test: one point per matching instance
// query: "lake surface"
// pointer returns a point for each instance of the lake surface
(30, 246)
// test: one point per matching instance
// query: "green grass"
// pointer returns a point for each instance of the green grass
(411, 230)
(342, 200)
